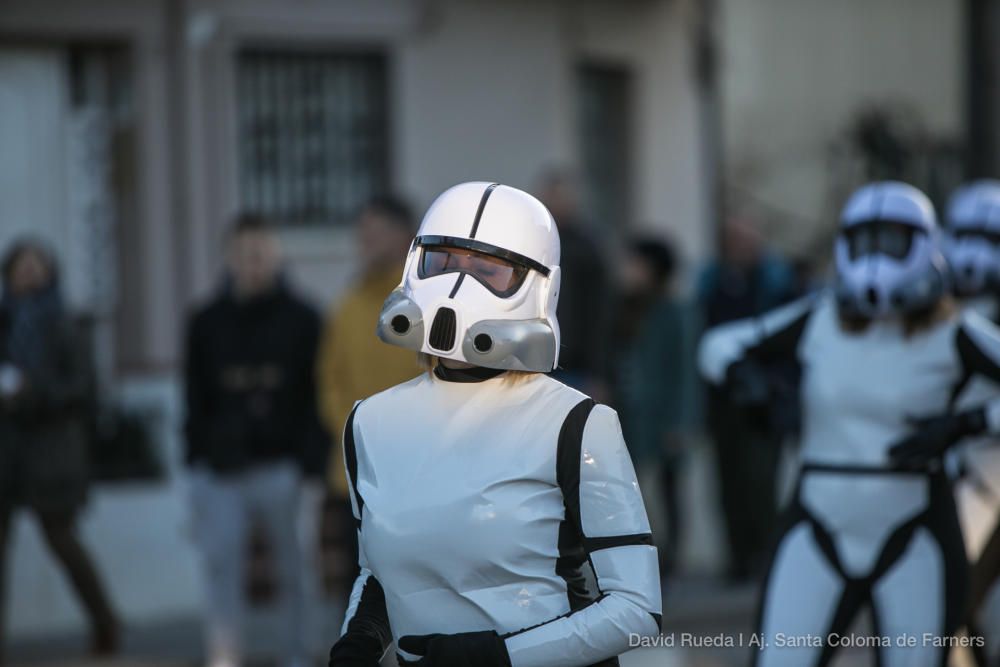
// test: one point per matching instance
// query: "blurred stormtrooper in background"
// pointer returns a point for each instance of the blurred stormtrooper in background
(873, 522)
(972, 248)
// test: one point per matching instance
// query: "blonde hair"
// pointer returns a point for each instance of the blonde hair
(913, 323)
(428, 362)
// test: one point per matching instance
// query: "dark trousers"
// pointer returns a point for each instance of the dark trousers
(670, 488)
(59, 529)
(747, 464)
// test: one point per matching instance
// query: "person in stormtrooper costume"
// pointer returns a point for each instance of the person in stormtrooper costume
(872, 522)
(484, 490)
(972, 248)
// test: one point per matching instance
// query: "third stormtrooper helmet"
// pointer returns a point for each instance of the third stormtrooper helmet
(972, 243)
(887, 256)
(481, 282)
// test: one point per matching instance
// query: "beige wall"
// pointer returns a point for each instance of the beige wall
(478, 90)
(656, 39)
(794, 72)
(148, 298)
(485, 90)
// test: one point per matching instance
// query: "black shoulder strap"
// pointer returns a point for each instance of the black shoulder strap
(568, 458)
(974, 360)
(574, 546)
(351, 456)
(783, 343)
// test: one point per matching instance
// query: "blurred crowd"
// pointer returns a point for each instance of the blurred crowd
(269, 382)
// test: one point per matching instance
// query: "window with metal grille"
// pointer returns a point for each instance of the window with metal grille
(604, 124)
(312, 134)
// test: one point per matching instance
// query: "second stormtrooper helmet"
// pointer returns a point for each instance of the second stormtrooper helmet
(887, 256)
(972, 244)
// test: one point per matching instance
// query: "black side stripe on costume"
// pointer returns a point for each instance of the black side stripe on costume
(958, 388)
(781, 344)
(597, 543)
(974, 360)
(482, 205)
(351, 456)
(568, 452)
(572, 552)
(371, 617)
(880, 205)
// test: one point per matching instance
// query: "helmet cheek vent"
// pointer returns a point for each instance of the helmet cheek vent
(400, 324)
(483, 343)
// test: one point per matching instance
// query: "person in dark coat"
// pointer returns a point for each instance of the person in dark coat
(654, 375)
(745, 281)
(587, 297)
(46, 388)
(251, 421)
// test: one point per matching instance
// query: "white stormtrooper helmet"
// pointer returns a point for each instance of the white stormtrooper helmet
(972, 245)
(887, 256)
(481, 282)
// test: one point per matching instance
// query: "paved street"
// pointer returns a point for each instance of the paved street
(700, 608)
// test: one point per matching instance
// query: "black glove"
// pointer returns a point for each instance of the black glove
(356, 650)
(748, 384)
(750, 392)
(467, 649)
(932, 436)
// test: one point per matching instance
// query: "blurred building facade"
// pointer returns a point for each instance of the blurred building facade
(136, 129)
(300, 110)
(818, 97)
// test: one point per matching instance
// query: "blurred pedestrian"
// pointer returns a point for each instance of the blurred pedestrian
(251, 401)
(353, 362)
(746, 280)
(587, 296)
(46, 390)
(654, 374)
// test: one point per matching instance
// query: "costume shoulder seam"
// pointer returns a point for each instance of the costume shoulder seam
(564, 388)
(385, 393)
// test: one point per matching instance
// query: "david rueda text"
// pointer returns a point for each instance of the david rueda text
(693, 640)
(781, 640)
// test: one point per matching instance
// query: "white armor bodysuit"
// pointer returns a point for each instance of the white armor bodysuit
(480, 499)
(860, 532)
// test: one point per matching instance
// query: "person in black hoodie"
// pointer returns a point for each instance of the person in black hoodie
(251, 417)
(588, 295)
(46, 384)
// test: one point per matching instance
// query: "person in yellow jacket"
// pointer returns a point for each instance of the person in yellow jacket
(353, 362)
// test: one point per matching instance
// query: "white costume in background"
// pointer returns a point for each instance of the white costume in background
(863, 530)
(972, 248)
(859, 531)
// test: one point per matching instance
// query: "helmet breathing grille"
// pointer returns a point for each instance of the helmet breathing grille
(442, 335)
